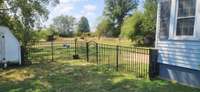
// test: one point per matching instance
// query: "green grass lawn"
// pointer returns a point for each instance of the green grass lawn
(78, 76)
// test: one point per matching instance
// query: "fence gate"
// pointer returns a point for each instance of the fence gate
(92, 52)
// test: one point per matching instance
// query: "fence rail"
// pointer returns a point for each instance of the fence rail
(140, 61)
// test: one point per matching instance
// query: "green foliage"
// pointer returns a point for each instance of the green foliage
(103, 28)
(15, 26)
(42, 34)
(132, 27)
(64, 25)
(1, 1)
(52, 30)
(141, 27)
(150, 13)
(149, 21)
(116, 11)
(21, 16)
(83, 26)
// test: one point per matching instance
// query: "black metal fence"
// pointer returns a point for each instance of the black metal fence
(140, 61)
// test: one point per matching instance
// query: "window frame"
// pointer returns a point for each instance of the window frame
(174, 20)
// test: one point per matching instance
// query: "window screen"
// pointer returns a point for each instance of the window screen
(186, 17)
(165, 9)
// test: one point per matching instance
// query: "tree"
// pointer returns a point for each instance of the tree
(132, 28)
(64, 25)
(117, 10)
(22, 16)
(103, 27)
(141, 27)
(83, 26)
(149, 22)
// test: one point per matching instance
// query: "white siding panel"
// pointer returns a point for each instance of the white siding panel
(180, 53)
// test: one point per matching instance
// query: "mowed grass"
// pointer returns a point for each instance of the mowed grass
(67, 75)
(78, 76)
(103, 40)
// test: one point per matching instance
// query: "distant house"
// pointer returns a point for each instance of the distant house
(178, 40)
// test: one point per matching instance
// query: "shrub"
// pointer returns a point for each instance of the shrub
(67, 34)
(132, 28)
(41, 35)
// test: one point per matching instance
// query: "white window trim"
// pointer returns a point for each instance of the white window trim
(173, 23)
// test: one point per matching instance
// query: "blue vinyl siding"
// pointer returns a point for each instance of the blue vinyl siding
(180, 53)
(183, 76)
(179, 58)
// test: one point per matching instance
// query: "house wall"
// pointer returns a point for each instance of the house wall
(179, 59)
(180, 75)
(180, 53)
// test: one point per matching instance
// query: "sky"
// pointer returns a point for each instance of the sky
(92, 9)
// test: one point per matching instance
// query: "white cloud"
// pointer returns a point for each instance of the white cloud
(89, 10)
(69, 7)
(63, 9)
(90, 7)
(71, 1)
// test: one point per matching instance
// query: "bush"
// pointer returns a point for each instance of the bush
(41, 35)
(104, 28)
(51, 38)
(132, 28)
(135, 28)
(67, 34)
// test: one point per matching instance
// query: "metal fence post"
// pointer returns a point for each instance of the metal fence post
(87, 51)
(52, 52)
(97, 56)
(153, 64)
(22, 55)
(117, 58)
(75, 46)
(76, 56)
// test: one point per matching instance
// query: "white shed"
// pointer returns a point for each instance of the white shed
(10, 51)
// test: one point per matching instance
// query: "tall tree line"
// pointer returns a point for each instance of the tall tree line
(83, 26)
(123, 19)
(140, 27)
(67, 26)
(64, 25)
(115, 11)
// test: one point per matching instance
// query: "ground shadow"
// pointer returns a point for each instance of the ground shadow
(76, 76)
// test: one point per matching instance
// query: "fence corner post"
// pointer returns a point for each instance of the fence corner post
(22, 55)
(153, 64)
(117, 58)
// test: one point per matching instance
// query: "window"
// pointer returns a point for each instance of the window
(185, 21)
